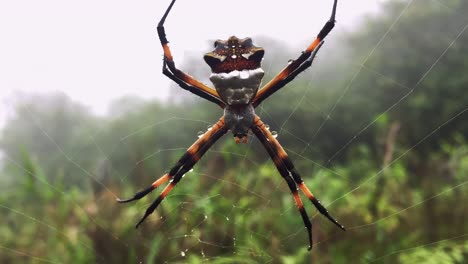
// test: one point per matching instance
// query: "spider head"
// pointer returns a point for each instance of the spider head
(234, 54)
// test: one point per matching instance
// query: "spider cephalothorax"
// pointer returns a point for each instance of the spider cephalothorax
(236, 74)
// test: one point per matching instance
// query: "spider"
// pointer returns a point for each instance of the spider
(236, 76)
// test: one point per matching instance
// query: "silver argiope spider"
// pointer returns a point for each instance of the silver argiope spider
(236, 75)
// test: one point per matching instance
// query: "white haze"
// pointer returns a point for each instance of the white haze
(97, 51)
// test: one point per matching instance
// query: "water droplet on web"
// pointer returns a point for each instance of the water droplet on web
(274, 134)
(182, 254)
(200, 134)
(206, 217)
(227, 218)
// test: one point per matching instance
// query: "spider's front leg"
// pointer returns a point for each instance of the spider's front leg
(296, 66)
(184, 80)
(290, 174)
(185, 163)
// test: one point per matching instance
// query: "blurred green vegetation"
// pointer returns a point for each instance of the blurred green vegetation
(380, 135)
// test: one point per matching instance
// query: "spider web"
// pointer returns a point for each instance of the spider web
(183, 214)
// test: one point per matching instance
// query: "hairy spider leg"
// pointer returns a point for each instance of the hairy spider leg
(287, 177)
(294, 67)
(280, 154)
(185, 163)
(178, 76)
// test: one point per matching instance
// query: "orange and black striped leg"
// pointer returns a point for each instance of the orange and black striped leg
(179, 76)
(307, 63)
(286, 176)
(192, 150)
(295, 175)
(296, 66)
(183, 160)
(191, 88)
(186, 162)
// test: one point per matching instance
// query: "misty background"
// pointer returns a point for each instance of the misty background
(98, 51)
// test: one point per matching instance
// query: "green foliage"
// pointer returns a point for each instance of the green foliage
(448, 252)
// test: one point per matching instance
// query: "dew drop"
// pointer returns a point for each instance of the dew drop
(274, 134)
(200, 134)
(227, 218)
(182, 254)
(206, 217)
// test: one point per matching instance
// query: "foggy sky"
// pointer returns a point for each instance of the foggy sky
(97, 51)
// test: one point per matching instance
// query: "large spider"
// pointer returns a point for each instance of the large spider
(236, 75)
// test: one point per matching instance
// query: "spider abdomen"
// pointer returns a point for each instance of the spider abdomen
(239, 119)
(237, 87)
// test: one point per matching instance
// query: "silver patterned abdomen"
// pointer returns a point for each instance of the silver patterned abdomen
(237, 87)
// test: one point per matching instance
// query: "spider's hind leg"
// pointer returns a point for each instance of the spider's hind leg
(153, 186)
(297, 178)
(287, 177)
(289, 173)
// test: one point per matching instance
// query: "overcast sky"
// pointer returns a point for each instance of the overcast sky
(96, 51)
